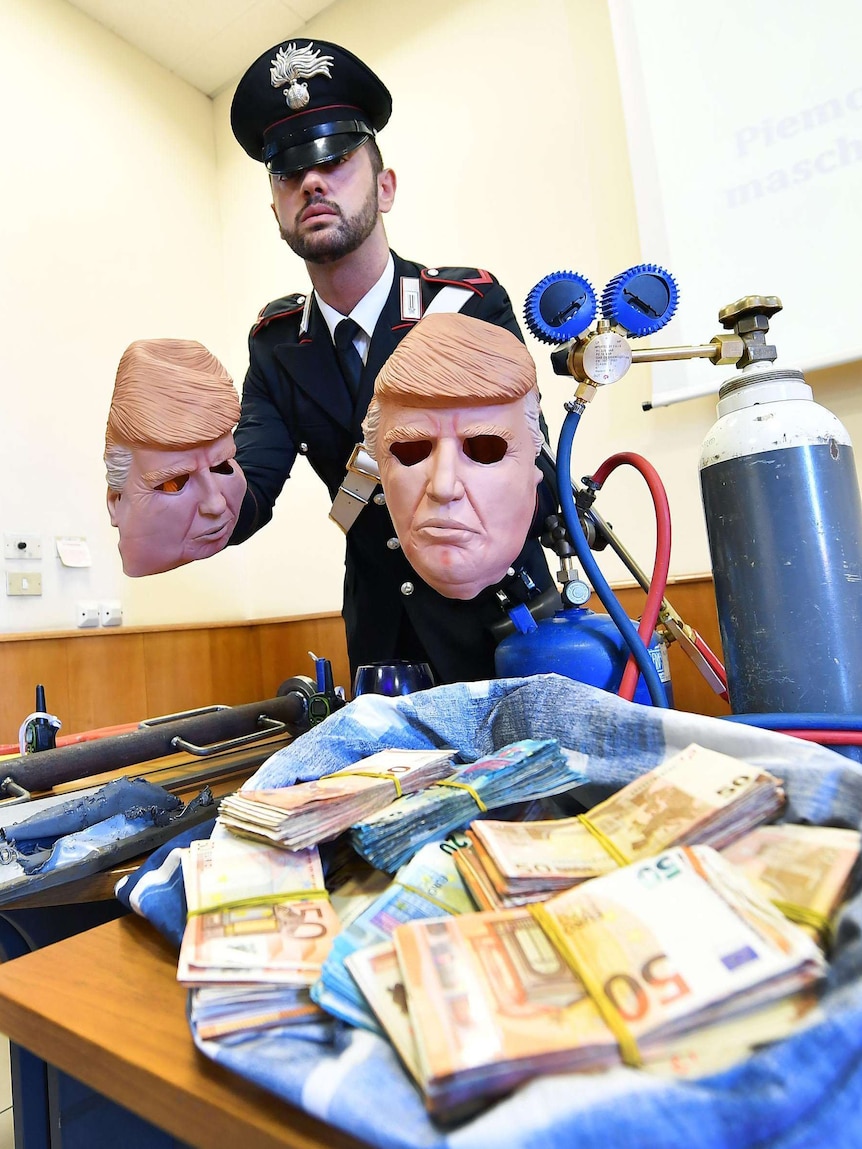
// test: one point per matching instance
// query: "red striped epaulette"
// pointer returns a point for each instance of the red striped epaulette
(473, 278)
(278, 309)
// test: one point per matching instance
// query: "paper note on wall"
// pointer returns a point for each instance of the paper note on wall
(73, 551)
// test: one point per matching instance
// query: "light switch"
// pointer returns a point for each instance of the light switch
(23, 582)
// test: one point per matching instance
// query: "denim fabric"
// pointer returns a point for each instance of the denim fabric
(801, 1093)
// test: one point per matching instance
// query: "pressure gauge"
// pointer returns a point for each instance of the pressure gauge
(641, 300)
(560, 307)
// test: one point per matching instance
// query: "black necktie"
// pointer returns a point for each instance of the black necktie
(349, 359)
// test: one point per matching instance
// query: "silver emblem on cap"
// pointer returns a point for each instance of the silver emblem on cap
(291, 66)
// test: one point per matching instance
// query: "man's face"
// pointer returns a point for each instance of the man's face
(177, 505)
(460, 484)
(327, 212)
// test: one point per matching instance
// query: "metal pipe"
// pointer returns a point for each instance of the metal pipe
(41, 771)
(666, 354)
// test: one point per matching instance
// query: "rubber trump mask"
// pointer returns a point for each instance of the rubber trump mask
(454, 427)
(174, 489)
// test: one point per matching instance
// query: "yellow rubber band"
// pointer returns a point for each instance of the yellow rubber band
(261, 900)
(608, 844)
(625, 1039)
(371, 774)
(424, 894)
(463, 786)
(803, 916)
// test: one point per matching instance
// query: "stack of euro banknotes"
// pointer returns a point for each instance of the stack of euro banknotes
(396, 800)
(672, 927)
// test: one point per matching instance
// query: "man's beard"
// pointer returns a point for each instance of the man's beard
(331, 244)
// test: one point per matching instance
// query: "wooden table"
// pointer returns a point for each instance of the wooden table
(50, 909)
(105, 1007)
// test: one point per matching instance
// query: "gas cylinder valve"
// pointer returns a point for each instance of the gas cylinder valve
(749, 319)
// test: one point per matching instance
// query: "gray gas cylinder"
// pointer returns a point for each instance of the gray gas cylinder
(784, 519)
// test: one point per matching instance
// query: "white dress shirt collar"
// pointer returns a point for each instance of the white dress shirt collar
(365, 313)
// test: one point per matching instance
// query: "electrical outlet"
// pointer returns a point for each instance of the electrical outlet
(87, 614)
(22, 546)
(23, 582)
(111, 613)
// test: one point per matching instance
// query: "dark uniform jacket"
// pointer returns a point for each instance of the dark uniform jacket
(296, 402)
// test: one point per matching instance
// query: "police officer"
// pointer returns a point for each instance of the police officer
(309, 111)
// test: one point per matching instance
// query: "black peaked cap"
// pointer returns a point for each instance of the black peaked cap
(305, 102)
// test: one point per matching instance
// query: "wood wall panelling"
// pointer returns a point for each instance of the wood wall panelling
(103, 679)
(179, 672)
(93, 680)
(694, 602)
(106, 676)
(235, 662)
(284, 651)
(23, 666)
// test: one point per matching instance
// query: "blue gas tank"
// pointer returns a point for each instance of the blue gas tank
(580, 644)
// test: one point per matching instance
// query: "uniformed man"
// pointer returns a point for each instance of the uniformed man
(309, 111)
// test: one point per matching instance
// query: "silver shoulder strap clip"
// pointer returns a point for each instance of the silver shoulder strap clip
(357, 487)
(362, 475)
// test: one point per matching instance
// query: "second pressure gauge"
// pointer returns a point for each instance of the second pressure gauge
(641, 300)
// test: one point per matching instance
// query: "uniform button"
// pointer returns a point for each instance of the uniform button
(380, 499)
(393, 544)
(300, 299)
(407, 588)
(432, 271)
(303, 448)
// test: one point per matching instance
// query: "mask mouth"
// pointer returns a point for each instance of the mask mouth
(285, 156)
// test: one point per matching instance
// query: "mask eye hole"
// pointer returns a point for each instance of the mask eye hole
(485, 449)
(224, 468)
(173, 485)
(412, 452)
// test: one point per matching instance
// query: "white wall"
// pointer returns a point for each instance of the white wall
(509, 142)
(768, 190)
(138, 215)
(109, 230)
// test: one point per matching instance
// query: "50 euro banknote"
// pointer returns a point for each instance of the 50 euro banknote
(695, 797)
(619, 968)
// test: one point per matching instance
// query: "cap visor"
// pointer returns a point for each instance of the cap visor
(314, 152)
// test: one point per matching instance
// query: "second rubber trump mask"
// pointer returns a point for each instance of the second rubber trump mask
(454, 427)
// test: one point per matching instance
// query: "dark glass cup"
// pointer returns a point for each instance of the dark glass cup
(392, 678)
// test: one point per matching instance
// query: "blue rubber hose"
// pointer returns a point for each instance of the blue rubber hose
(828, 722)
(589, 565)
